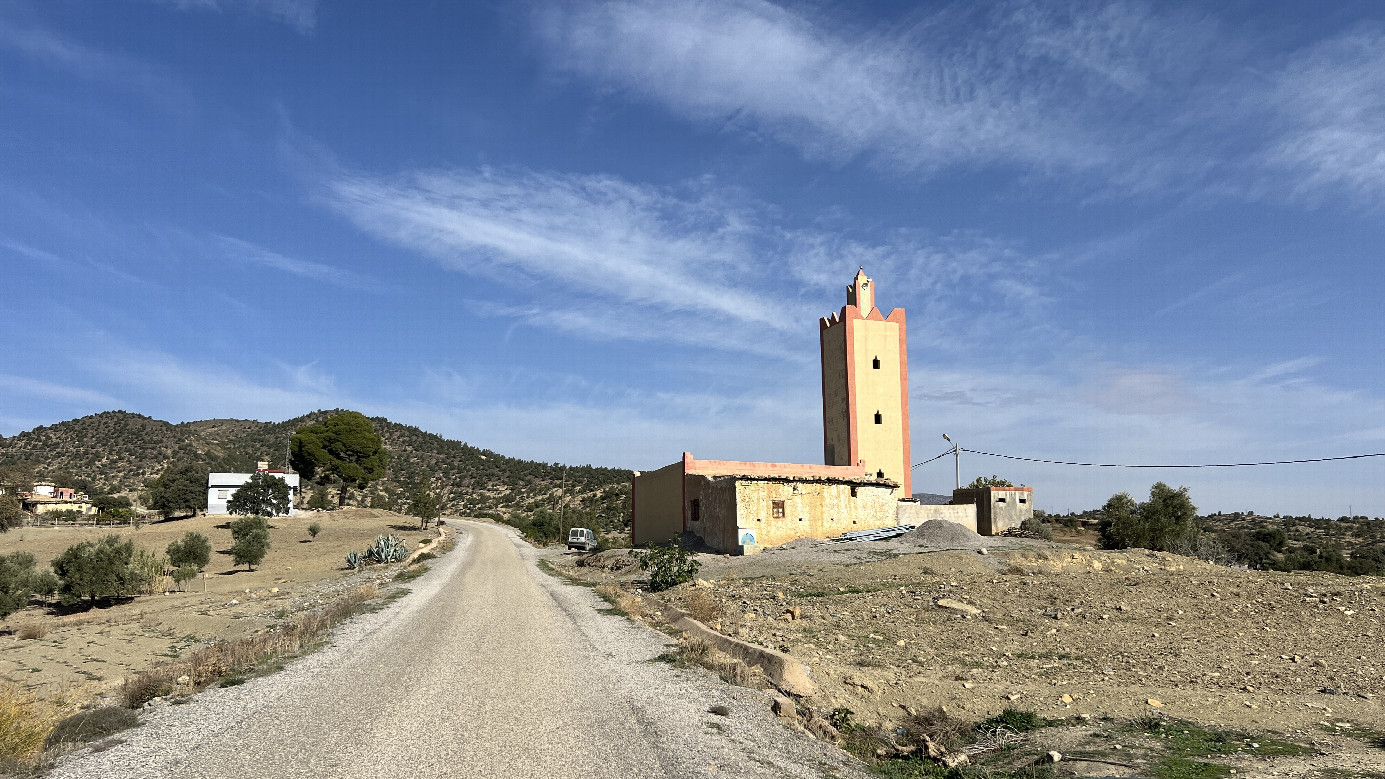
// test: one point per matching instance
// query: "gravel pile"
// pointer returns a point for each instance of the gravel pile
(941, 534)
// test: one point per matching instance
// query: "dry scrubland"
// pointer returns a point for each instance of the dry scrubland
(84, 655)
(892, 631)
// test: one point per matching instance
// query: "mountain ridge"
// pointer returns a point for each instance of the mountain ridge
(120, 451)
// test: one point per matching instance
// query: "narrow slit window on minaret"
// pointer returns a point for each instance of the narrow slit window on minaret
(879, 418)
(875, 363)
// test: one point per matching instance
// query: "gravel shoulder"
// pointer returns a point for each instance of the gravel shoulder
(488, 667)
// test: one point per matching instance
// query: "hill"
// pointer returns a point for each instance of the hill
(119, 452)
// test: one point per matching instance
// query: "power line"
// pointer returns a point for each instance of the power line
(1200, 465)
(931, 459)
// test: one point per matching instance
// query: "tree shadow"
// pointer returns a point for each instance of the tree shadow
(402, 527)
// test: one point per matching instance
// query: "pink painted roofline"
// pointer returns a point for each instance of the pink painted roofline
(692, 465)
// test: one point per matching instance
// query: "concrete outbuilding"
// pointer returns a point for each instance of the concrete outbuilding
(997, 508)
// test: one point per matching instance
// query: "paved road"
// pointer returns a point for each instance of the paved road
(488, 668)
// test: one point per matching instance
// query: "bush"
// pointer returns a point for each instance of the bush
(150, 569)
(264, 494)
(669, 565)
(91, 725)
(98, 570)
(25, 724)
(193, 550)
(12, 514)
(321, 501)
(19, 582)
(1038, 527)
(249, 541)
(1014, 719)
(314, 528)
(184, 574)
(1163, 523)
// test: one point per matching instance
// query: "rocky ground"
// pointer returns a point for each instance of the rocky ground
(88, 653)
(1092, 638)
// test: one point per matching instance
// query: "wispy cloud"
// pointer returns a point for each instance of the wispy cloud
(298, 14)
(50, 49)
(1329, 106)
(1121, 96)
(61, 394)
(248, 253)
(695, 263)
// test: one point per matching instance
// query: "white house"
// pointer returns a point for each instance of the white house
(221, 486)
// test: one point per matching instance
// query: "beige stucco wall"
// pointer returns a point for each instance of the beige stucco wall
(836, 420)
(878, 390)
(716, 525)
(52, 507)
(813, 510)
(915, 514)
(658, 505)
(998, 508)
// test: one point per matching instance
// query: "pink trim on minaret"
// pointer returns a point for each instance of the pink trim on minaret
(897, 316)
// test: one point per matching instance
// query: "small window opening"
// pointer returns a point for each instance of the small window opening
(853, 492)
(881, 475)
(879, 418)
(1022, 500)
(800, 519)
(999, 500)
(695, 509)
(875, 363)
(777, 509)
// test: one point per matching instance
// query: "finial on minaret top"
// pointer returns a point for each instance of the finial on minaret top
(860, 293)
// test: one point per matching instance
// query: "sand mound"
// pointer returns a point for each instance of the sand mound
(941, 534)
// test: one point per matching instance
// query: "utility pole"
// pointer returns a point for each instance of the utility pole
(956, 459)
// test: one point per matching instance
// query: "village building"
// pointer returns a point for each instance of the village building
(221, 486)
(866, 480)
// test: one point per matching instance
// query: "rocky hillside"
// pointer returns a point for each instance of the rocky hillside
(117, 451)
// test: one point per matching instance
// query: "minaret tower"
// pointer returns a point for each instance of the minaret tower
(865, 387)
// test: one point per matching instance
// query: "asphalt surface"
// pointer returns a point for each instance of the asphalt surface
(488, 668)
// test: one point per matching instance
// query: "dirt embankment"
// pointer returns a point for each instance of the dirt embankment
(891, 628)
(87, 653)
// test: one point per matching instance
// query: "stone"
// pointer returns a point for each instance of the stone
(1050, 757)
(862, 683)
(274, 589)
(1066, 698)
(720, 711)
(184, 679)
(982, 551)
(784, 707)
(958, 606)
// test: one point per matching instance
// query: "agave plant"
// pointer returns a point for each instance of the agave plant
(354, 561)
(387, 549)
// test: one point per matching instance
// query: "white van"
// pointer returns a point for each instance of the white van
(581, 538)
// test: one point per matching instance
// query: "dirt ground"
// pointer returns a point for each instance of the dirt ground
(1072, 633)
(86, 654)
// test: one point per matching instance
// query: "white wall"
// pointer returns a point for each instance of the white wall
(221, 486)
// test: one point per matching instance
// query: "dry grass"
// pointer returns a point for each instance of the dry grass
(32, 631)
(242, 655)
(622, 601)
(702, 606)
(25, 722)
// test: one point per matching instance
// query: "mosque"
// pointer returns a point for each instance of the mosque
(865, 481)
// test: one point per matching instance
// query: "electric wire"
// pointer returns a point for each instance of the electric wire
(1198, 465)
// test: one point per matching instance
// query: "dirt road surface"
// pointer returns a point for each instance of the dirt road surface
(488, 668)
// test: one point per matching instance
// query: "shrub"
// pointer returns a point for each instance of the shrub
(1014, 719)
(1162, 523)
(150, 569)
(91, 725)
(98, 570)
(669, 565)
(703, 607)
(249, 541)
(264, 494)
(314, 528)
(138, 690)
(193, 550)
(184, 574)
(12, 514)
(25, 723)
(19, 582)
(1039, 528)
(321, 501)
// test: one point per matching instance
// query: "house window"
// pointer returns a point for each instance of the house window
(999, 500)
(879, 418)
(223, 494)
(875, 363)
(1022, 500)
(776, 510)
(881, 475)
(695, 509)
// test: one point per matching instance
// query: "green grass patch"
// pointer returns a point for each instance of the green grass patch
(1182, 739)
(411, 573)
(1182, 768)
(1016, 720)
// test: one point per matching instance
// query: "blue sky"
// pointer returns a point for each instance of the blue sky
(603, 232)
